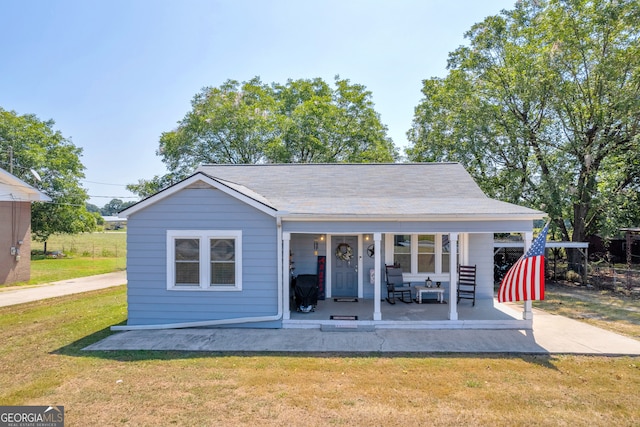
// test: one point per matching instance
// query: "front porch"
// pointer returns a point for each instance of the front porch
(486, 314)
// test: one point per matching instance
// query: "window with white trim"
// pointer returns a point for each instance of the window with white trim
(422, 253)
(402, 251)
(426, 253)
(446, 253)
(204, 260)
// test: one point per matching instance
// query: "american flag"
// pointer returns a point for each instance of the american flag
(525, 279)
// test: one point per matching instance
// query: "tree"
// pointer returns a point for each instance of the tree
(319, 124)
(114, 206)
(301, 121)
(36, 146)
(92, 208)
(543, 107)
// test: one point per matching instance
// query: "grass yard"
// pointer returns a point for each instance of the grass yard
(84, 255)
(52, 270)
(42, 364)
(87, 245)
(605, 309)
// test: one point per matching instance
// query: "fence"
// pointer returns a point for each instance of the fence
(505, 254)
(595, 271)
(613, 278)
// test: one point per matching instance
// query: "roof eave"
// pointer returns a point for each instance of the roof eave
(422, 217)
(198, 176)
(31, 193)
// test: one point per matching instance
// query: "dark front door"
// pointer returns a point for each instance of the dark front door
(344, 281)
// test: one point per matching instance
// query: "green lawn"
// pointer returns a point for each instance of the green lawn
(88, 245)
(43, 364)
(52, 270)
(84, 255)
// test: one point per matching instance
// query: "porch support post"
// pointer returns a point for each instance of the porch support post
(286, 276)
(528, 306)
(377, 265)
(453, 276)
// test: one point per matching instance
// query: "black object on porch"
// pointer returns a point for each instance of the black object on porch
(467, 283)
(306, 292)
(396, 285)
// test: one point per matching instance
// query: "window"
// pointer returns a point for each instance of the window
(402, 251)
(426, 253)
(187, 258)
(446, 249)
(204, 260)
(422, 253)
(223, 262)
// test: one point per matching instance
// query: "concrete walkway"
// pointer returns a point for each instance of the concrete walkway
(551, 334)
(22, 294)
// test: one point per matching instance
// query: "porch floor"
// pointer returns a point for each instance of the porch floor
(487, 313)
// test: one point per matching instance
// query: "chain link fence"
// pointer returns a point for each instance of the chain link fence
(615, 278)
(600, 273)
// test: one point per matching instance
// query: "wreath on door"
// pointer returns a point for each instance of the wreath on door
(344, 252)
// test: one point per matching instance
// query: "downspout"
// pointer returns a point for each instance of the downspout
(219, 322)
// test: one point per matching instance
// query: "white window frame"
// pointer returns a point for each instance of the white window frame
(204, 236)
(414, 252)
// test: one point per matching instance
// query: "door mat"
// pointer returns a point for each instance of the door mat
(342, 317)
(345, 299)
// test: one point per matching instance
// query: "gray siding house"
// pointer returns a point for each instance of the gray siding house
(222, 247)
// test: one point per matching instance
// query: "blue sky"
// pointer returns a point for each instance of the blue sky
(115, 74)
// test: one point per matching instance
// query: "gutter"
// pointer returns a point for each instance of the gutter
(413, 217)
(219, 322)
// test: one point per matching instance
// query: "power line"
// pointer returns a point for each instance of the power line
(81, 180)
(103, 183)
(117, 197)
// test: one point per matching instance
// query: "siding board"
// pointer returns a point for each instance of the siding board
(149, 300)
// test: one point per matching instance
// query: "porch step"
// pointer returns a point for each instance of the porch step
(347, 327)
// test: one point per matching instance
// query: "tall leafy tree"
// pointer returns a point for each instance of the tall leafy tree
(302, 121)
(321, 124)
(543, 107)
(36, 146)
(114, 206)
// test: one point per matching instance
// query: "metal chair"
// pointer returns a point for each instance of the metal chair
(397, 286)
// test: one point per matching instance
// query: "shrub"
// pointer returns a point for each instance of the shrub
(572, 276)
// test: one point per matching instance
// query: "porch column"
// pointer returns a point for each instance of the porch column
(286, 276)
(377, 265)
(453, 276)
(528, 306)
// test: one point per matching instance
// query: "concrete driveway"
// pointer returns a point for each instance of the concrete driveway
(22, 294)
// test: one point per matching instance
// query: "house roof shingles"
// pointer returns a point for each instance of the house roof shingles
(398, 189)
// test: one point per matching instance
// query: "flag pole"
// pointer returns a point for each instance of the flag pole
(527, 314)
(525, 279)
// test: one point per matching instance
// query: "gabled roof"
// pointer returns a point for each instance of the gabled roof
(238, 191)
(14, 189)
(351, 191)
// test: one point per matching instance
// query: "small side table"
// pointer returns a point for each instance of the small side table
(423, 289)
